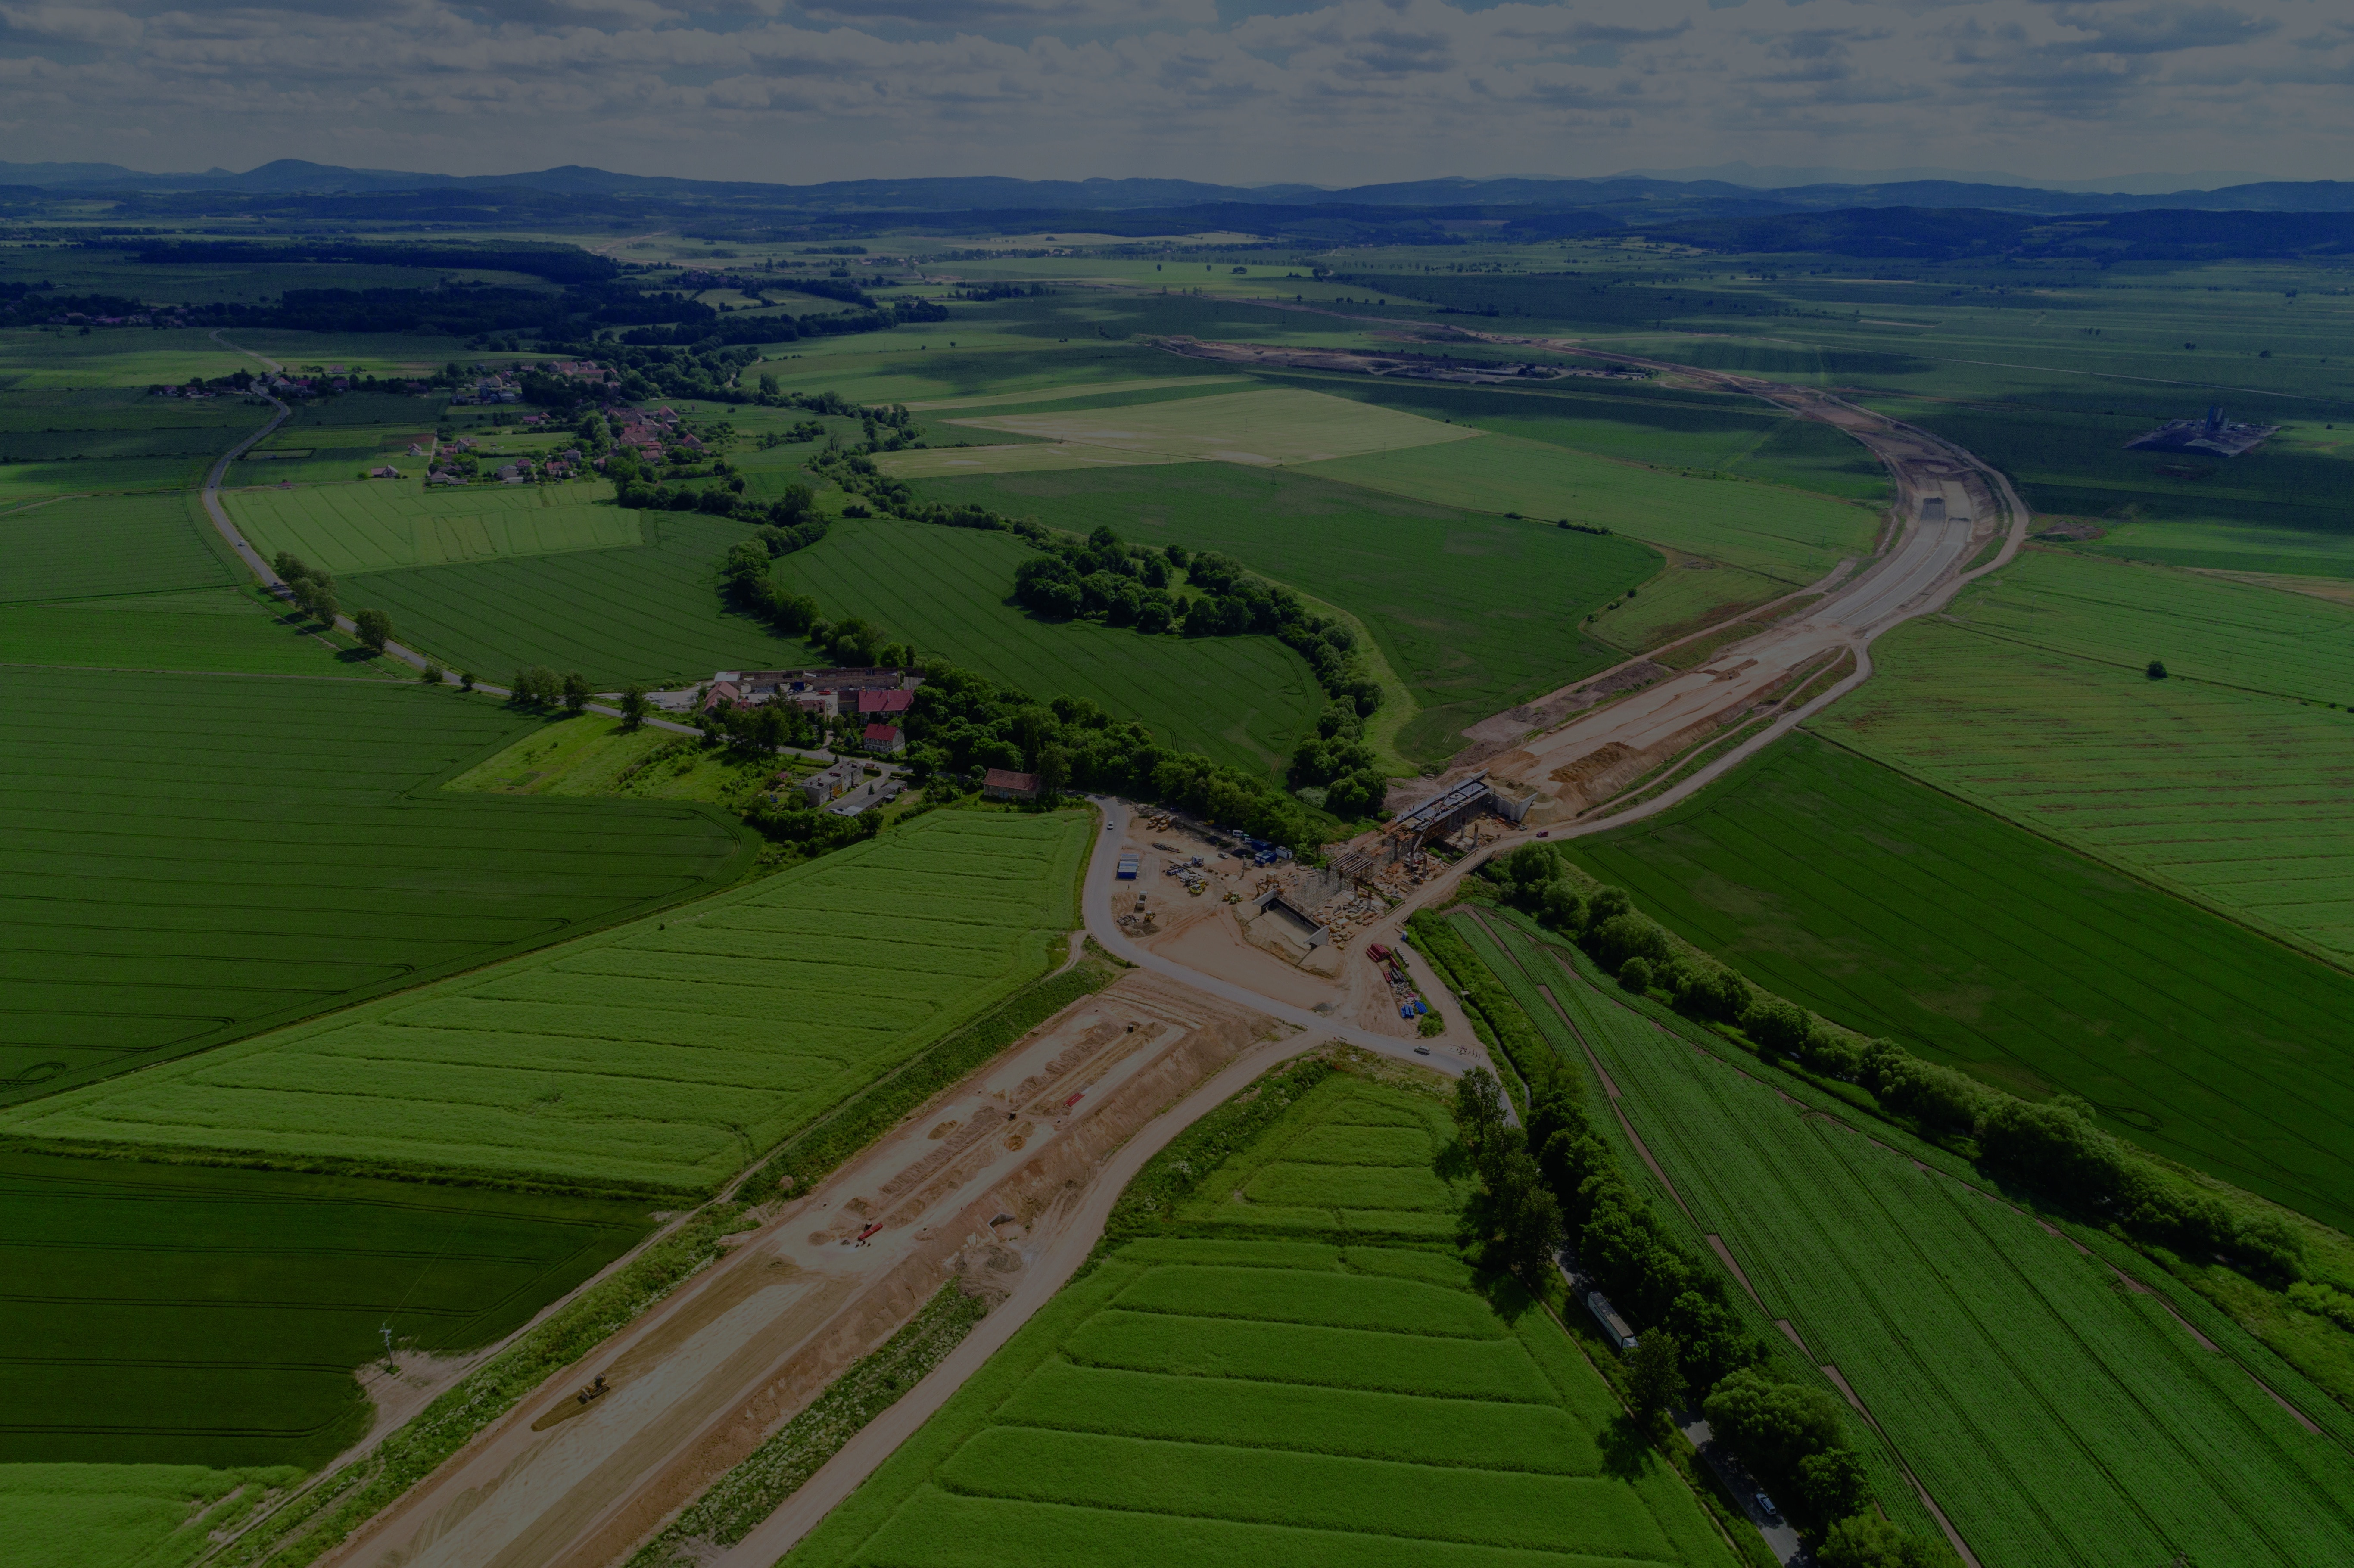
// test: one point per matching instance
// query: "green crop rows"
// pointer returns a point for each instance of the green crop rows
(1212, 1398)
(1475, 612)
(2055, 1417)
(193, 858)
(85, 546)
(123, 1515)
(659, 1055)
(2242, 799)
(1246, 701)
(216, 628)
(384, 524)
(651, 614)
(175, 1313)
(1893, 909)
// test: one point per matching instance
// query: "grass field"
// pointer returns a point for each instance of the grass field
(2056, 1417)
(651, 613)
(2232, 547)
(89, 546)
(321, 453)
(1475, 612)
(196, 857)
(661, 1054)
(1243, 699)
(1789, 535)
(179, 1314)
(123, 1515)
(219, 629)
(1896, 910)
(32, 359)
(386, 523)
(1238, 1396)
(2244, 799)
(1264, 428)
(104, 424)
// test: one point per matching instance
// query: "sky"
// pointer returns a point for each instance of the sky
(1239, 91)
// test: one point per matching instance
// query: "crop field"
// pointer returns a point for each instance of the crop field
(1789, 535)
(320, 453)
(2244, 800)
(384, 524)
(2055, 1416)
(220, 854)
(1243, 699)
(2204, 628)
(221, 630)
(32, 360)
(1474, 612)
(85, 546)
(123, 1515)
(650, 613)
(1241, 1397)
(183, 1314)
(2232, 548)
(98, 424)
(1263, 429)
(1896, 910)
(661, 1054)
(1691, 594)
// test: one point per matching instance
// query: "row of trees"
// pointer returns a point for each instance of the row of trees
(2052, 1148)
(314, 592)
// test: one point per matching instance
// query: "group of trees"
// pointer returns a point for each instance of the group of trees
(1336, 761)
(314, 590)
(2052, 1146)
(1101, 577)
(537, 686)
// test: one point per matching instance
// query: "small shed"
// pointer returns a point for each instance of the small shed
(1004, 784)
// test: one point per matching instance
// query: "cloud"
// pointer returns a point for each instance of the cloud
(1335, 91)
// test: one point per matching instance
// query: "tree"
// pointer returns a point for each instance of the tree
(1773, 1425)
(1635, 974)
(1867, 1541)
(321, 603)
(1655, 1376)
(634, 705)
(290, 567)
(432, 673)
(2157, 671)
(1512, 1216)
(576, 691)
(1053, 769)
(1479, 1110)
(1832, 1484)
(373, 627)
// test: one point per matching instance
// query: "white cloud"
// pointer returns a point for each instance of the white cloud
(1347, 91)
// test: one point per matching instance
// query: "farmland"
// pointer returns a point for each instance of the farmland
(89, 545)
(659, 1055)
(123, 1515)
(650, 613)
(188, 1315)
(1246, 701)
(2055, 1416)
(1789, 535)
(221, 630)
(1474, 611)
(1896, 910)
(221, 854)
(1271, 1381)
(1262, 427)
(2241, 799)
(381, 525)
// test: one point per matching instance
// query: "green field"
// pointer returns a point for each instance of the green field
(1261, 429)
(198, 857)
(319, 453)
(1475, 612)
(651, 613)
(1896, 910)
(386, 523)
(2244, 800)
(2054, 1417)
(2232, 547)
(221, 630)
(178, 1314)
(658, 1055)
(102, 425)
(1242, 700)
(1787, 534)
(85, 546)
(32, 359)
(1226, 1394)
(123, 1515)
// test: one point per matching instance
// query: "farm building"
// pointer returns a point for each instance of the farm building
(830, 784)
(1004, 784)
(885, 737)
(875, 701)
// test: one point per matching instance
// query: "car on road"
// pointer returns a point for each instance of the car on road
(1422, 1050)
(1766, 1506)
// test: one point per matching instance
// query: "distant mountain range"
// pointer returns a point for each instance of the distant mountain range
(1625, 194)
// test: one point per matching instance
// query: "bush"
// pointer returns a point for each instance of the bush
(1867, 1541)
(1635, 975)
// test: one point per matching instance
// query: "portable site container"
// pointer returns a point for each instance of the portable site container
(1126, 869)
